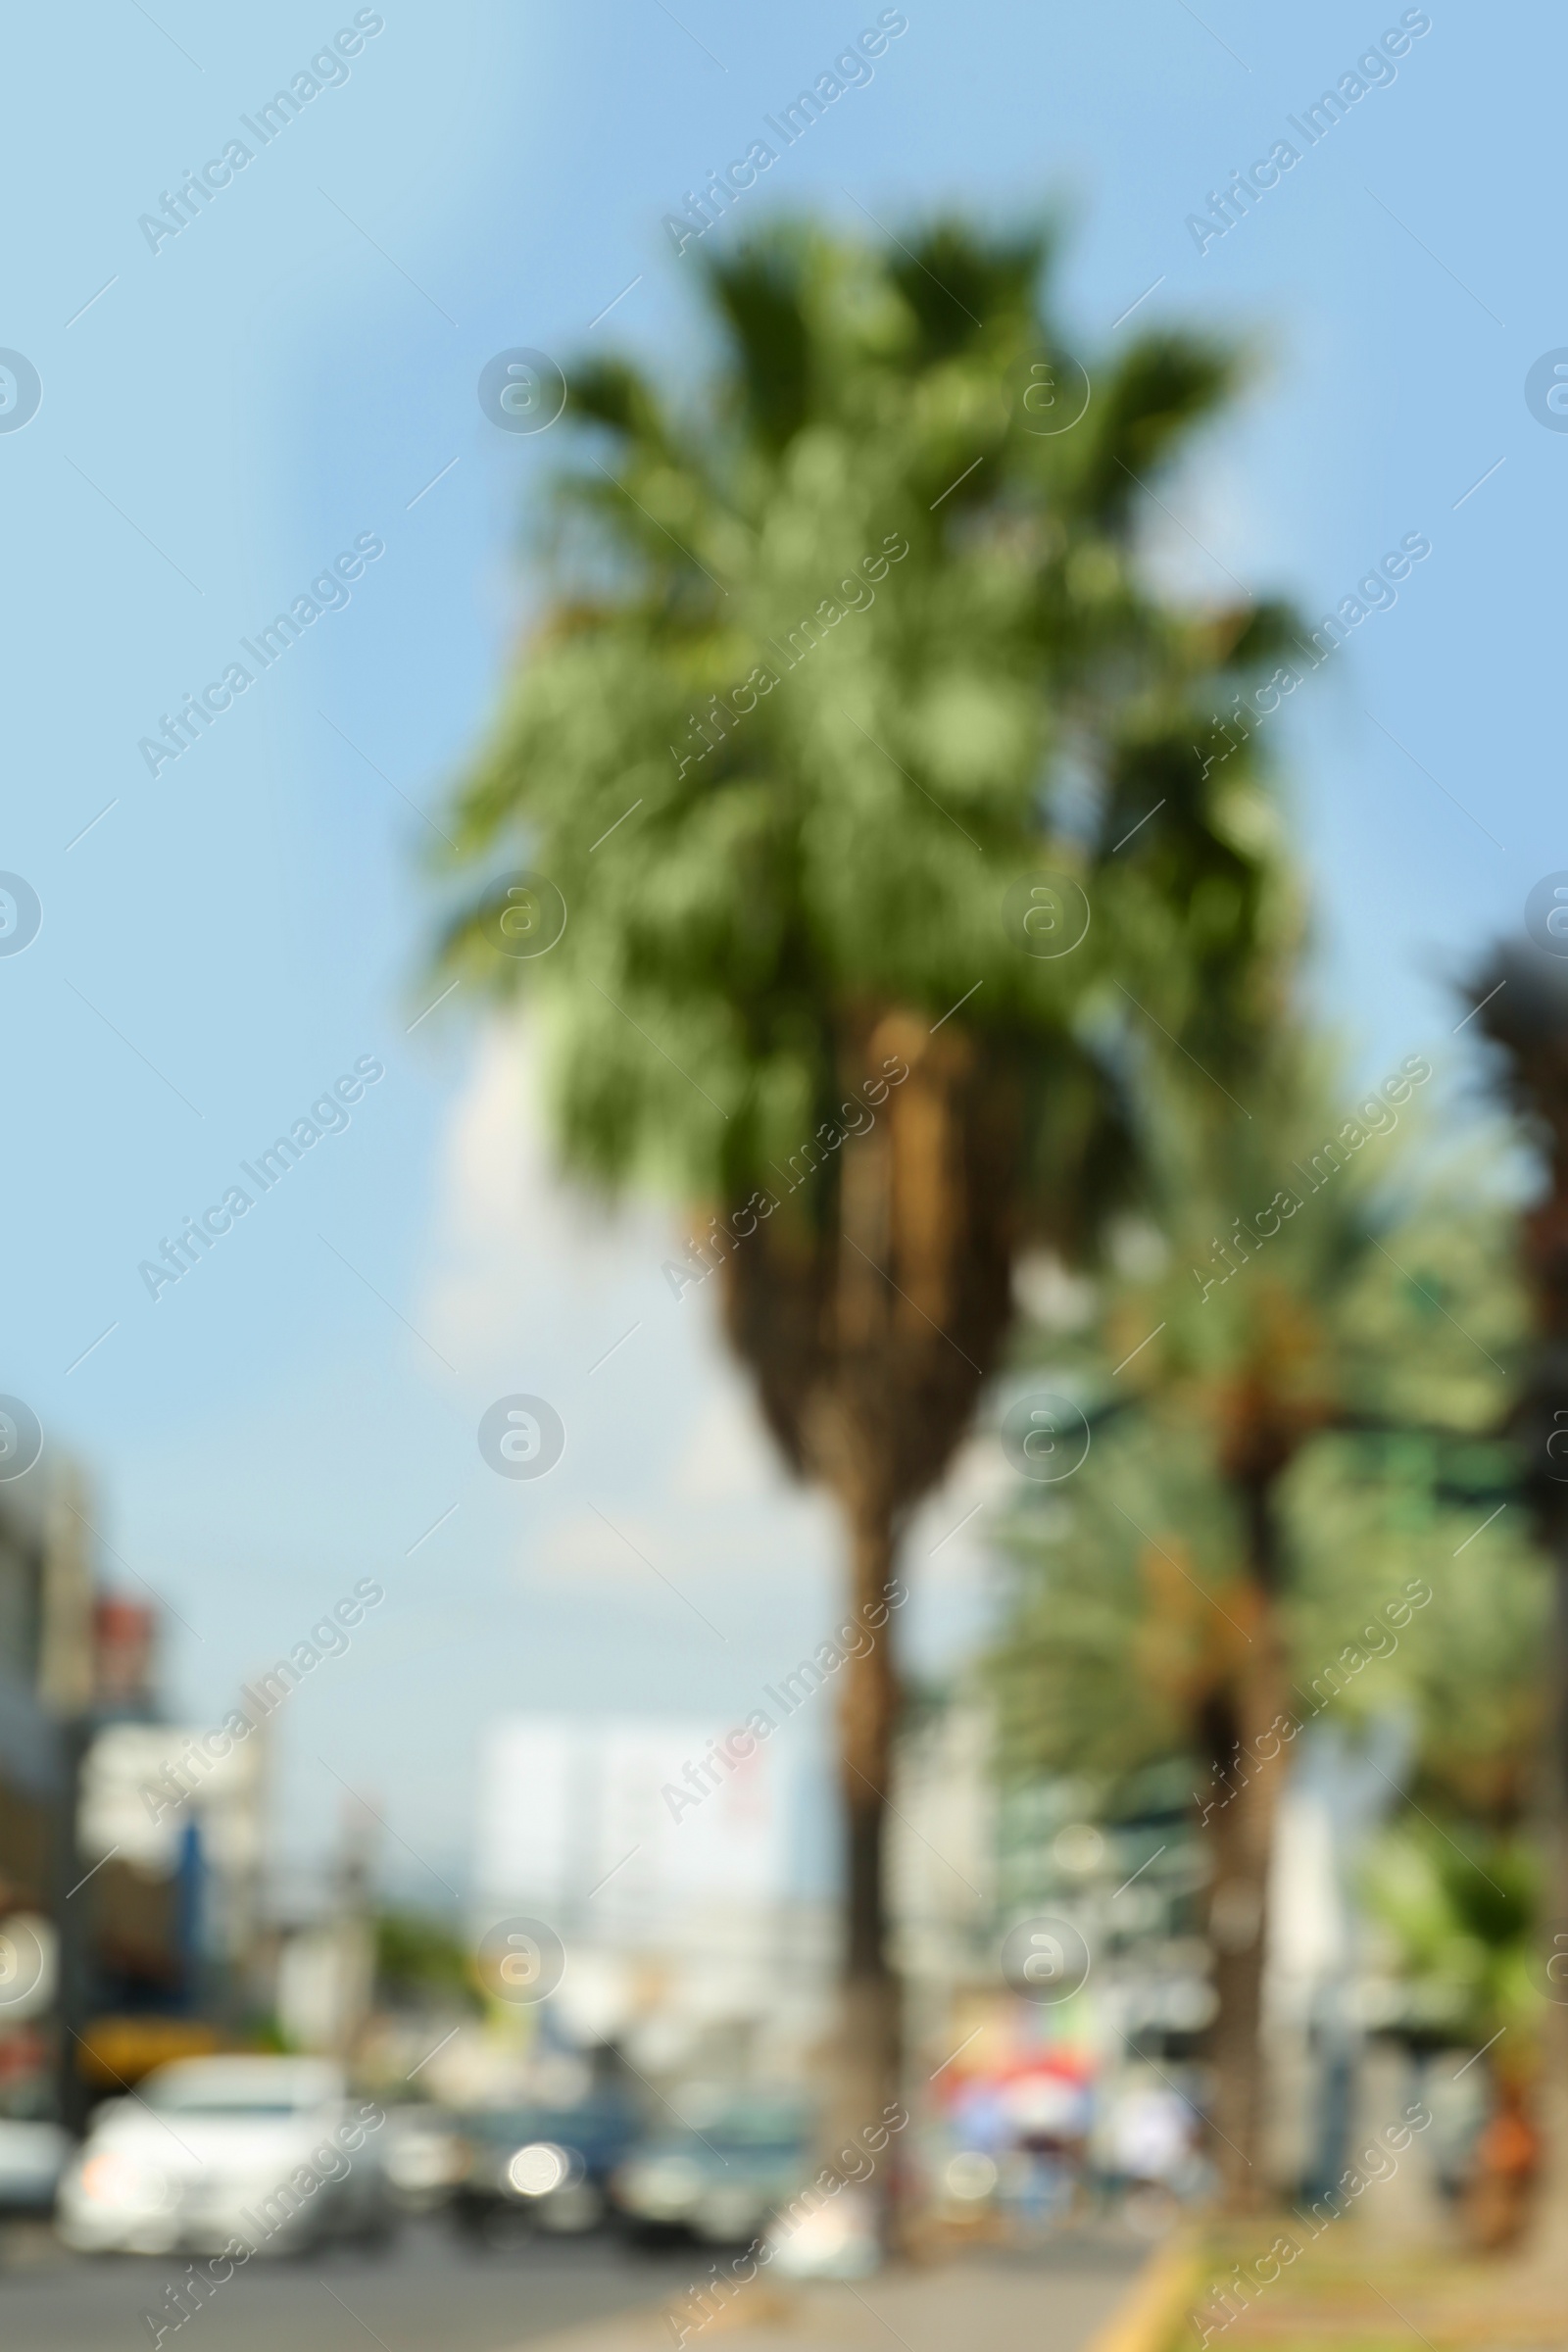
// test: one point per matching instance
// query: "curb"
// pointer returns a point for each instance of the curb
(1161, 2295)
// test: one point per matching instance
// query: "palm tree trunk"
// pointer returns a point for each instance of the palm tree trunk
(1241, 1825)
(868, 2061)
(1246, 1729)
(1529, 1018)
(869, 1335)
(1547, 2246)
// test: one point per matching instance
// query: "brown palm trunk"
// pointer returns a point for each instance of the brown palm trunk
(1246, 1729)
(1245, 1791)
(870, 1312)
(1523, 1004)
(1547, 2244)
(866, 2071)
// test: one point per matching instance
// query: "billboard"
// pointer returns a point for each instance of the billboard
(627, 1819)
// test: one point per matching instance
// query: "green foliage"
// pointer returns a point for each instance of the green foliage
(940, 668)
(1369, 1341)
(1369, 1518)
(1108, 1634)
(418, 1961)
(1459, 1918)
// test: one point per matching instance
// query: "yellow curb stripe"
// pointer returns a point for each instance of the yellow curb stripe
(1161, 2296)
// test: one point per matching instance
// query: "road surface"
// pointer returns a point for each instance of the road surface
(426, 2293)
(431, 2293)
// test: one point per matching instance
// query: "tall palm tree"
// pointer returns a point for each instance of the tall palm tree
(848, 643)
(1252, 1351)
(1284, 1308)
(1521, 995)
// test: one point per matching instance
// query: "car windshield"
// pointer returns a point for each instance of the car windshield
(244, 2088)
(181, 2098)
(762, 2132)
(569, 2126)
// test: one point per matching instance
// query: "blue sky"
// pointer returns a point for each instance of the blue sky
(229, 413)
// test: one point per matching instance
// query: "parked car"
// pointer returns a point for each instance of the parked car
(721, 2183)
(423, 2157)
(32, 2157)
(270, 2152)
(541, 2168)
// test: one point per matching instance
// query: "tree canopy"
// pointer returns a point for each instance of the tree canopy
(841, 646)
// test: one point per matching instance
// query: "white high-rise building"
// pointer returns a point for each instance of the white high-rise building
(673, 1881)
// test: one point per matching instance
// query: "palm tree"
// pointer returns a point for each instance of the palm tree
(847, 646)
(1521, 995)
(1251, 1350)
(1281, 1307)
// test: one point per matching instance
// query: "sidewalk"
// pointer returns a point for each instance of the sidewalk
(982, 2303)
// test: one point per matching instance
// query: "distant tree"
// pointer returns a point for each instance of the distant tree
(420, 1962)
(846, 644)
(1298, 1384)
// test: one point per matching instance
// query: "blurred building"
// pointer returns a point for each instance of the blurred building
(1321, 1990)
(29, 1756)
(680, 1884)
(124, 1634)
(1025, 2094)
(123, 1924)
(175, 1879)
(33, 1764)
(69, 1656)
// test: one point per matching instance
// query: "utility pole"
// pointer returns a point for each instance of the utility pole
(353, 1931)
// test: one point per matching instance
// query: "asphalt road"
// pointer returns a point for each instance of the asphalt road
(426, 2293)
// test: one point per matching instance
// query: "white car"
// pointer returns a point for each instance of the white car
(226, 2155)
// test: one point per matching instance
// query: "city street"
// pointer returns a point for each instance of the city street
(427, 2293)
(807, 1590)
(431, 2293)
